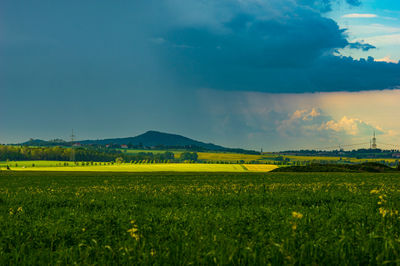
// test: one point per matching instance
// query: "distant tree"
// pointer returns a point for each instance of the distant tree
(189, 156)
(168, 155)
(119, 160)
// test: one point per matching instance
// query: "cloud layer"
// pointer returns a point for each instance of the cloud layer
(311, 120)
(357, 15)
(268, 46)
(271, 46)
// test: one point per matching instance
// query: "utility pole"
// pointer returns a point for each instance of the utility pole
(374, 146)
(72, 146)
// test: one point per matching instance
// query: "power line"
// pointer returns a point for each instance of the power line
(340, 146)
(392, 145)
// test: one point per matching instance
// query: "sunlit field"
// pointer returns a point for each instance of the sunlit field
(199, 218)
(262, 158)
(128, 167)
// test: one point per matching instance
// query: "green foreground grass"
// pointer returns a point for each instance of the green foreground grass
(199, 218)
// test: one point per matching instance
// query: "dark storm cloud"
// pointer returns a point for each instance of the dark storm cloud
(279, 46)
(271, 46)
(362, 46)
(321, 5)
(325, 5)
(253, 42)
(354, 2)
(62, 59)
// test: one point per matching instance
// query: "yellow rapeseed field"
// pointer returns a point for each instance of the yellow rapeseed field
(157, 167)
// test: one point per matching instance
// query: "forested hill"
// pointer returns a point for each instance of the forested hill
(155, 138)
(150, 139)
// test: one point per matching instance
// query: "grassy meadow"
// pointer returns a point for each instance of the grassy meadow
(199, 218)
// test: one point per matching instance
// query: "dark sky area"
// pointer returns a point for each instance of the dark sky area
(120, 68)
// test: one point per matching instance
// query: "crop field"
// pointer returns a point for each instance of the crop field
(136, 151)
(127, 167)
(261, 158)
(265, 158)
(232, 157)
(199, 218)
(333, 159)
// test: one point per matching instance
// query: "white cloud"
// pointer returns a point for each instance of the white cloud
(386, 59)
(350, 126)
(309, 120)
(357, 15)
(313, 123)
(301, 122)
(383, 36)
(314, 113)
(305, 114)
(372, 29)
(392, 133)
(384, 40)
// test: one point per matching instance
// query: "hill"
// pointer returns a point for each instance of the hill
(355, 168)
(39, 142)
(154, 139)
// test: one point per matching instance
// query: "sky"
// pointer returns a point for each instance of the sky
(270, 74)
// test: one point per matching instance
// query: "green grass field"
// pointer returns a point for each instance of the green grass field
(199, 218)
(265, 158)
(127, 167)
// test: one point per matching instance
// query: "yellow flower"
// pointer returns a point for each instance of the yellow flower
(297, 215)
(133, 231)
(294, 226)
(374, 191)
(152, 252)
(83, 229)
(134, 235)
(19, 209)
(11, 211)
(383, 212)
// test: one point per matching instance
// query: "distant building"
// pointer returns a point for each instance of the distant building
(107, 145)
(76, 144)
(124, 146)
(396, 155)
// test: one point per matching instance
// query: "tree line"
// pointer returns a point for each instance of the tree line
(25, 153)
